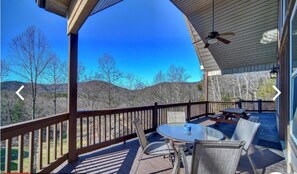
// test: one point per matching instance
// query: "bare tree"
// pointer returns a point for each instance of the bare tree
(159, 78)
(161, 92)
(131, 78)
(4, 68)
(170, 87)
(109, 73)
(30, 55)
(139, 84)
(133, 84)
(237, 86)
(177, 76)
(55, 74)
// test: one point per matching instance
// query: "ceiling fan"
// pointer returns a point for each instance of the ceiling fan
(214, 36)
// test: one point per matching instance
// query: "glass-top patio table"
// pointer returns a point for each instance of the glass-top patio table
(177, 132)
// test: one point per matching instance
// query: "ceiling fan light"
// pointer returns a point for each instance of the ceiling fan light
(212, 41)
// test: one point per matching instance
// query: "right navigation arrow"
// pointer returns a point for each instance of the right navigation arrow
(278, 93)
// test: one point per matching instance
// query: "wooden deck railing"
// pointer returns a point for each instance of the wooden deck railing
(97, 129)
(40, 137)
(46, 139)
(257, 106)
(215, 107)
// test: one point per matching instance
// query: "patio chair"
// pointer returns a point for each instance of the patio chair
(157, 148)
(211, 157)
(178, 117)
(245, 131)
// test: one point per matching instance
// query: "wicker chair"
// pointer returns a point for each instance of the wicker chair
(211, 157)
(245, 131)
(157, 148)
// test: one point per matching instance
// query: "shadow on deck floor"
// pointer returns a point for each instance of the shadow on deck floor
(123, 158)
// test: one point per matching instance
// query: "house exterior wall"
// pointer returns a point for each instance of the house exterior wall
(284, 103)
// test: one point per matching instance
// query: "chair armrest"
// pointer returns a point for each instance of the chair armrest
(176, 166)
(180, 155)
(184, 159)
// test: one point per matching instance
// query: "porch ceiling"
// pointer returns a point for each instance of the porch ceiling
(62, 7)
(253, 48)
(76, 11)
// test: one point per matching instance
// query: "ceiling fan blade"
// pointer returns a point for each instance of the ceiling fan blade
(225, 41)
(206, 45)
(196, 41)
(227, 34)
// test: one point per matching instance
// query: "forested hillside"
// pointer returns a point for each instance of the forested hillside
(245, 86)
(91, 95)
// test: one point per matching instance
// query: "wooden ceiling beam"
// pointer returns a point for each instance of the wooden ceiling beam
(80, 11)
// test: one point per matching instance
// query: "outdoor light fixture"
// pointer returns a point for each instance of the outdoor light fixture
(274, 72)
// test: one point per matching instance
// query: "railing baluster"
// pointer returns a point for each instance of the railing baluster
(31, 152)
(55, 141)
(8, 155)
(67, 134)
(40, 148)
(93, 129)
(151, 118)
(127, 123)
(81, 132)
(159, 117)
(131, 123)
(88, 131)
(21, 154)
(109, 127)
(48, 136)
(104, 127)
(144, 119)
(61, 138)
(141, 119)
(147, 119)
(99, 129)
(123, 118)
(114, 126)
(117, 129)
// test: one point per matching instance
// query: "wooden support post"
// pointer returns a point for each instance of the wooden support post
(260, 106)
(72, 95)
(206, 85)
(155, 116)
(189, 111)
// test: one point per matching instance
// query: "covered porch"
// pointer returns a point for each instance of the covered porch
(77, 141)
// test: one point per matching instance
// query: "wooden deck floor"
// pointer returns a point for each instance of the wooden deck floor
(123, 158)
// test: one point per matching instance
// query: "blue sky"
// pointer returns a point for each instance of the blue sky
(143, 36)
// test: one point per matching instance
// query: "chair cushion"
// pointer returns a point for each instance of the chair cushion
(158, 148)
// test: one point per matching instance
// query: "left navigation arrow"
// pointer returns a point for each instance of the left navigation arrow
(18, 92)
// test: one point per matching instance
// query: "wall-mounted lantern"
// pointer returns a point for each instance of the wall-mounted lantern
(274, 72)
